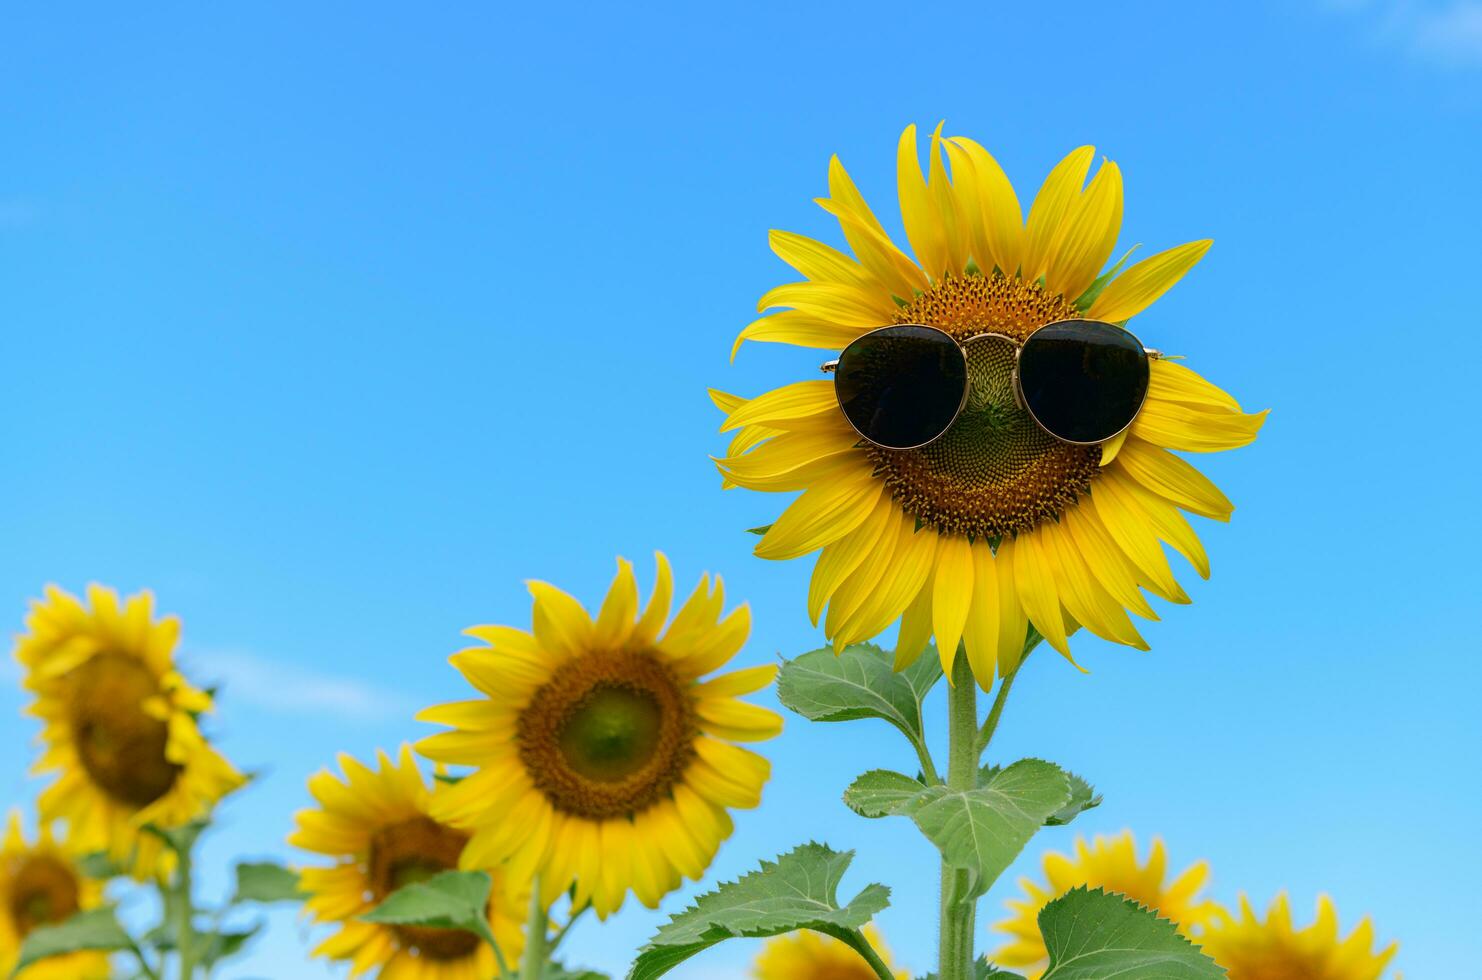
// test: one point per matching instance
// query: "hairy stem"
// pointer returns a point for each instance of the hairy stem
(955, 953)
(857, 942)
(184, 908)
(532, 964)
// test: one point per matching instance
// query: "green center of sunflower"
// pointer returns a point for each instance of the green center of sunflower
(608, 735)
(994, 472)
(413, 851)
(42, 891)
(121, 748)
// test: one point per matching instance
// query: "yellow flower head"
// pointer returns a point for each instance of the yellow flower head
(40, 884)
(995, 525)
(811, 956)
(378, 826)
(119, 725)
(602, 759)
(1109, 863)
(1272, 950)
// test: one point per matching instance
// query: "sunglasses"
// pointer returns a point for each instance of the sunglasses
(1081, 381)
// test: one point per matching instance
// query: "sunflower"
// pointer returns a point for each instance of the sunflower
(40, 884)
(378, 826)
(119, 725)
(811, 956)
(1109, 863)
(996, 525)
(1272, 950)
(603, 760)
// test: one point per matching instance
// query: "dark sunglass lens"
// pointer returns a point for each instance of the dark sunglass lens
(1083, 380)
(901, 386)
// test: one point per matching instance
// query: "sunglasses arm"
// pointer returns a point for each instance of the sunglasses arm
(829, 367)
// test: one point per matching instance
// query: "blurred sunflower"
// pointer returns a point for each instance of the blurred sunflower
(603, 760)
(1109, 863)
(1273, 950)
(810, 956)
(377, 824)
(40, 884)
(995, 525)
(119, 725)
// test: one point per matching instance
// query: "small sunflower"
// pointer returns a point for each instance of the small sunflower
(378, 826)
(995, 525)
(603, 760)
(810, 956)
(1109, 863)
(40, 885)
(1273, 950)
(119, 725)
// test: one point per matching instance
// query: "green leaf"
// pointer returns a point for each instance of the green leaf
(217, 946)
(1092, 935)
(859, 683)
(555, 971)
(178, 839)
(99, 865)
(881, 792)
(264, 881)
(1082, 798)
(982, 830)
(95, 929)
(797, 891)
(983, 970)
(450, 900)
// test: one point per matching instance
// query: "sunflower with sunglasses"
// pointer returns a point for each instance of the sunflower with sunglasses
(995, 452)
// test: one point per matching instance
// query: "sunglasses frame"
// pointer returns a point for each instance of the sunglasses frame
(829, 367)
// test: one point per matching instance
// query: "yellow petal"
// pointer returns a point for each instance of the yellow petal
(1186, 428)
(1037, 592)
(1163, 518)
(1106, 561)
(1112, 447)
(949, 209)
(1013, 625)
(980, 633)
(1090, 604)
(823, 514)
(1171, 381)
(823, 263)
(840, 559)
(562, 626)
(743, 681)
(737, 720)
(1088, 236)
(798, 400)
(909, 568)
(1060, 192)
(1137, 541)
(836, 302)
(1136, 289)
(915, 630)
(799, 328)
(952, 594)
(619, 610)
(918, 210)
(657, 611)
(996, 225)
(1175, 479)
(866, 236)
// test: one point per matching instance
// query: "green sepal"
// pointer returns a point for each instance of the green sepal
(759, 530)
(1084, 301)
(178, 839)
(797, 891)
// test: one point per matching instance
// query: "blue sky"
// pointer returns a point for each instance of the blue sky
(333, 324)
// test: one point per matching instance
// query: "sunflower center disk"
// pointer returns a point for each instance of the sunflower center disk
(608, 735)
(994, 472)
(43, 891)
(411, 852)
(121, 748)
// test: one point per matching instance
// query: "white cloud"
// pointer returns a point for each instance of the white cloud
(293, 690)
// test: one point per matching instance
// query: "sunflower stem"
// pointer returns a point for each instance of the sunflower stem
(985, 734)
(955, 952)
(185, 926)
(532, 964)
(856, 941)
